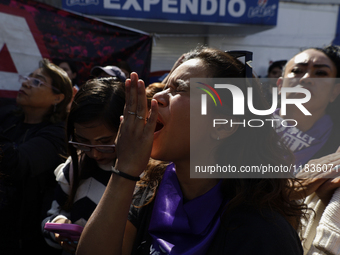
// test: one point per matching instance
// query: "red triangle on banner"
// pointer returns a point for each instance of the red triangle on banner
(6, 61)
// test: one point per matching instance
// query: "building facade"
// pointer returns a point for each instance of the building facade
(283, 28)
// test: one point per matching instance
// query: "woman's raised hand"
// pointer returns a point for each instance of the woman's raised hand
(320, 175)
(135, 136)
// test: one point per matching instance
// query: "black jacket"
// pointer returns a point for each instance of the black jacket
(29, 153)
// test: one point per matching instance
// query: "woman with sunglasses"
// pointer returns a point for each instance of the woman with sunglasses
(172, 213)
(32, 142)
(92, 127)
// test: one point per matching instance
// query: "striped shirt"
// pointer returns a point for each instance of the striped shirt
(87, 197)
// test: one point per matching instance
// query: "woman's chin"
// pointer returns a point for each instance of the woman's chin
(157, 154)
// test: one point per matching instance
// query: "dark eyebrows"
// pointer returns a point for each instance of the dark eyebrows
(104, 138)
(38, 76)
(314, 65)
(322, 65)
(41, 77)
(101, 138)
(80, 137)
(177, 83)
(181, 82)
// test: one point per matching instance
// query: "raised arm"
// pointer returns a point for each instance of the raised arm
(105, 231)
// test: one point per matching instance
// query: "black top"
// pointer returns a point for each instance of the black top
(29, 153)
(244, 230)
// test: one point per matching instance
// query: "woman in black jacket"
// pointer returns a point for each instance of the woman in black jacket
(32, 144)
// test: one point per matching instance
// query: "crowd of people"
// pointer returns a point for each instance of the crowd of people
(113, 156)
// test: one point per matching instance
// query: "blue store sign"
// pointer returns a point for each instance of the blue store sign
(255, 12)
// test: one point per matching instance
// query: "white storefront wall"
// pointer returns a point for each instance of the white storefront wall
(299, 26)
(166, 50)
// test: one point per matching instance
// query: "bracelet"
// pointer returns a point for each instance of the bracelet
(124, 175)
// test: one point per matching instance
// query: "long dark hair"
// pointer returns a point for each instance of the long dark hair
(97, 100)
(247, 146)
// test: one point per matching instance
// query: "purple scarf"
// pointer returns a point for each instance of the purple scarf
(183, 228)
(305, 144)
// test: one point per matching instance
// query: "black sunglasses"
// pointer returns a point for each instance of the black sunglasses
(248, 58)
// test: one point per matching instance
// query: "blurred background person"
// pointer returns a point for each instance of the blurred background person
(273, 73)
(124, 66)
(275, 69)
(71, 70)
(108, 71)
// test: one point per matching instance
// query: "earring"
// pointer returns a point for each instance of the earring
(55, 107)
(218, 138)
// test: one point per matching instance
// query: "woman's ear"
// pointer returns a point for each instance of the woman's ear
(58, 98)
(224, 128)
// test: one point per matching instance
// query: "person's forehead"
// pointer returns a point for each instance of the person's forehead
(189, 69)
(311, 56)
(39, 73)
(92, 129)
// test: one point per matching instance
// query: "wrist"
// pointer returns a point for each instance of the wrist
(125, 175)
